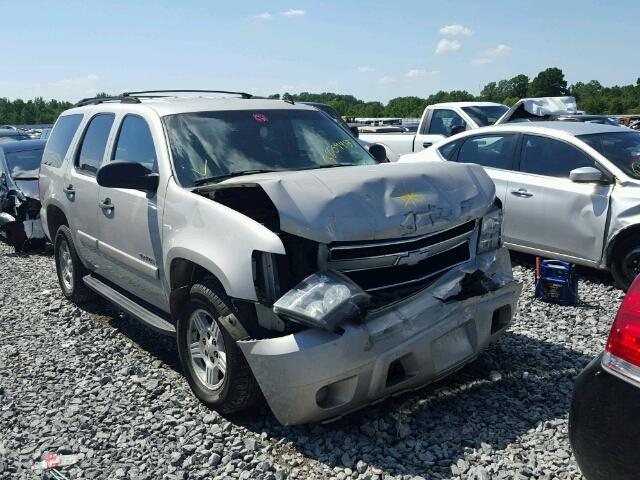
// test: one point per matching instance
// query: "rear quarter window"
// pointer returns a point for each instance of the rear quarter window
(60, 139)
(448, 151)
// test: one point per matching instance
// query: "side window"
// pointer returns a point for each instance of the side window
(493, 151)
(94, 143)
(443, 121)
(60, 139)
(135, 143)
(546, 156)
(448, 150)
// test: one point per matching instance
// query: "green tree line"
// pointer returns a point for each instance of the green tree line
(592, 97)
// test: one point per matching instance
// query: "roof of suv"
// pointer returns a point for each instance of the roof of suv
(568, 128)
(171, 105)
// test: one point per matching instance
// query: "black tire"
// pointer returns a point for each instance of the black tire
(238, 389)
(75, 290)
(625, 265)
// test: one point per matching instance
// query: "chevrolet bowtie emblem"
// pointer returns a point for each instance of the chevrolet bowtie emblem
(410, 199)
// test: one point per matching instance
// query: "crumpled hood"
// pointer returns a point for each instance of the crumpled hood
(29, 188)
(374, 202)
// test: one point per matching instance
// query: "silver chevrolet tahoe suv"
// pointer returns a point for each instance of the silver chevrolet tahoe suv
(284, 258)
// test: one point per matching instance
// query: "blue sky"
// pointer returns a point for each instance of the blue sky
(375, 50)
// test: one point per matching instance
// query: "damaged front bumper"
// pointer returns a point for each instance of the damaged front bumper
(316, 375)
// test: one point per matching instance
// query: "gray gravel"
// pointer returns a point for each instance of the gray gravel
(92, 383)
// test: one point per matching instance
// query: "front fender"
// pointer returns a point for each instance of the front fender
(215, 237)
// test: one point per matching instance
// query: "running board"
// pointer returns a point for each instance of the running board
(134, 309)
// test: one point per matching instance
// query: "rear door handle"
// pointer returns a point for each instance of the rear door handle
(106, 205)
(427, 144)
(522, 192)
(69, 190)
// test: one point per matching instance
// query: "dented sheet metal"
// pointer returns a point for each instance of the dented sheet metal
(316, 375)
(624, 213)
(540, 107)
(374, 202)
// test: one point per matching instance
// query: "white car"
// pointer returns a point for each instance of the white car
(439, 121)
(569, 190)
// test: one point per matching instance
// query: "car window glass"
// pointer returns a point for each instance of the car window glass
(443, 121)
(94, 143)
(60, 139)
(553, 158)
(24, 164)
(449, 149)
(135, 143)
(493, 151)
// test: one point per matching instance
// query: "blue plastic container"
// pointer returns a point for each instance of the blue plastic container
(558, 283)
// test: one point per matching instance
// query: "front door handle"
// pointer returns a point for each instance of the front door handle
(68, 190)
(522, 192)
(106, 205)
(427, 144)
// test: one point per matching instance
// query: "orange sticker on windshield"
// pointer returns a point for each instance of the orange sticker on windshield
(259, 117)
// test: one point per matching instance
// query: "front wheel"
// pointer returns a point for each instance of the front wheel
(626, 263)
(213, 364)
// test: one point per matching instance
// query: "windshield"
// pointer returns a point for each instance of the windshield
(620, 148)
(24, 164)
(13, 138)
(484, 116)
(206, 145)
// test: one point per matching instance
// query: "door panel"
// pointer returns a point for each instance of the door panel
(80, 190)
(550, 212)
(129, 223)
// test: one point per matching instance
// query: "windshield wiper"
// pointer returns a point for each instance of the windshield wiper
(333, 165)
(220, 178)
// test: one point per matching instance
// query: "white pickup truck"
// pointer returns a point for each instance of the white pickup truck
(439, 121)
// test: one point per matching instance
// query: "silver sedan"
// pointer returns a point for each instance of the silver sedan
(570, 190)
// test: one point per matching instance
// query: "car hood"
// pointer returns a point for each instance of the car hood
(373, 202)
(28, 187)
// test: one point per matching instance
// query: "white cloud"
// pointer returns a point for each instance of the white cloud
(481, 61)
(332, 83)
(263, 16)
(490, 55)
(415, 73)
(365, 69)
(500, 51)
(292, 12)
(387, 79)
(455, 29)
(445, 45)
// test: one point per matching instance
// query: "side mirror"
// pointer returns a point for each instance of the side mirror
(457, 129)
(588, 175)
(355, 131)
(127, 175)
(378, 152)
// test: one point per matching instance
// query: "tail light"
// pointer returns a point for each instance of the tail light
(622, 356)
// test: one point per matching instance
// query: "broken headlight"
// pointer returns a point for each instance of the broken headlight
(322, 300)
(490, 231)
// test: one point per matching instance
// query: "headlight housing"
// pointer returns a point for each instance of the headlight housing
(322, 300)
(490, 237)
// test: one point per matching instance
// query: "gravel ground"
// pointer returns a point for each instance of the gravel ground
(89, 382)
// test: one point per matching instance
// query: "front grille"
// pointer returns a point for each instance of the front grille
(392, 277)
(392, 269)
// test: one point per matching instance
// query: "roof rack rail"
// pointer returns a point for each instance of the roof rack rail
(99, 100)
(134, 97)
(145, 92)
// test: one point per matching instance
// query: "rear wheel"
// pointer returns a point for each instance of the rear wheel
(69, 268)
(213, 364)
(626, 262)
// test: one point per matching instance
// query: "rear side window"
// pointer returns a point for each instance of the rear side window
(546, 156)
(448, 150)
(493, 151)
(60, 139)
(443, 122)
(94, 143)
(135, 143)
